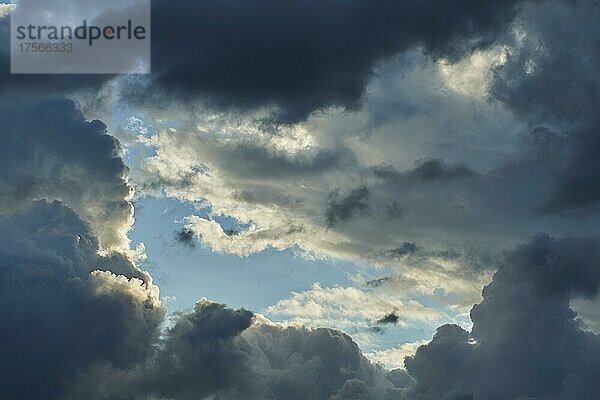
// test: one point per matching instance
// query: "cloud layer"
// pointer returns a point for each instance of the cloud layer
(352, 130)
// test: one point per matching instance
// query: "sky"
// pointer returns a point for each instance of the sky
(333, 199)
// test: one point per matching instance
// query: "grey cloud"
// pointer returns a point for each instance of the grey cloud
(353, 389)
(378, 282)
(478, 171)
(424, 170)
(551, 81)
(343, 206)
(526, 342)
(395, 210)
(111, 339)
(66, 306)
(186, 236)
(215, 352)
(198, 357)
(101, 339)
(301, 56)
(398, 377)
(257, 162)
(49, 151)
(297, 56)
(390, 318)
(60, 316)
(406, 249)
(317, 363)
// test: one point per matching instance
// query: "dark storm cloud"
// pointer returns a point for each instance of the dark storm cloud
(343, 206)
(297, 56)
(551, 80)
(302, 56)
(63, 320)
(59, 317)
(525, 341)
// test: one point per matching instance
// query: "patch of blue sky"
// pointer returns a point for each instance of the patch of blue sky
(185, 273)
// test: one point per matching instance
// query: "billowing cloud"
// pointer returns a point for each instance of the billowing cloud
(63, 313)
(243, 355)
(216, 352)
(526, 341)
(50, 152)
(70, 295)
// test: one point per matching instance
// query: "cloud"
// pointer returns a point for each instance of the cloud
(430, 205)
(588, 312)
(440, 165)
(391, 318)
(100, 331)
(319, 54)
(393, 358)
(537, 349)
(5, 9)
(424, 170)
(342, 207)
(49, 151)
(198, 356)
(63, 314)
(248, 241)
(185, 236)
(352, 309)
(404, 249)
(97, 318)
(222, 353)
(69, 291)
(474, 164)
(377, 189)
(551, 84)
